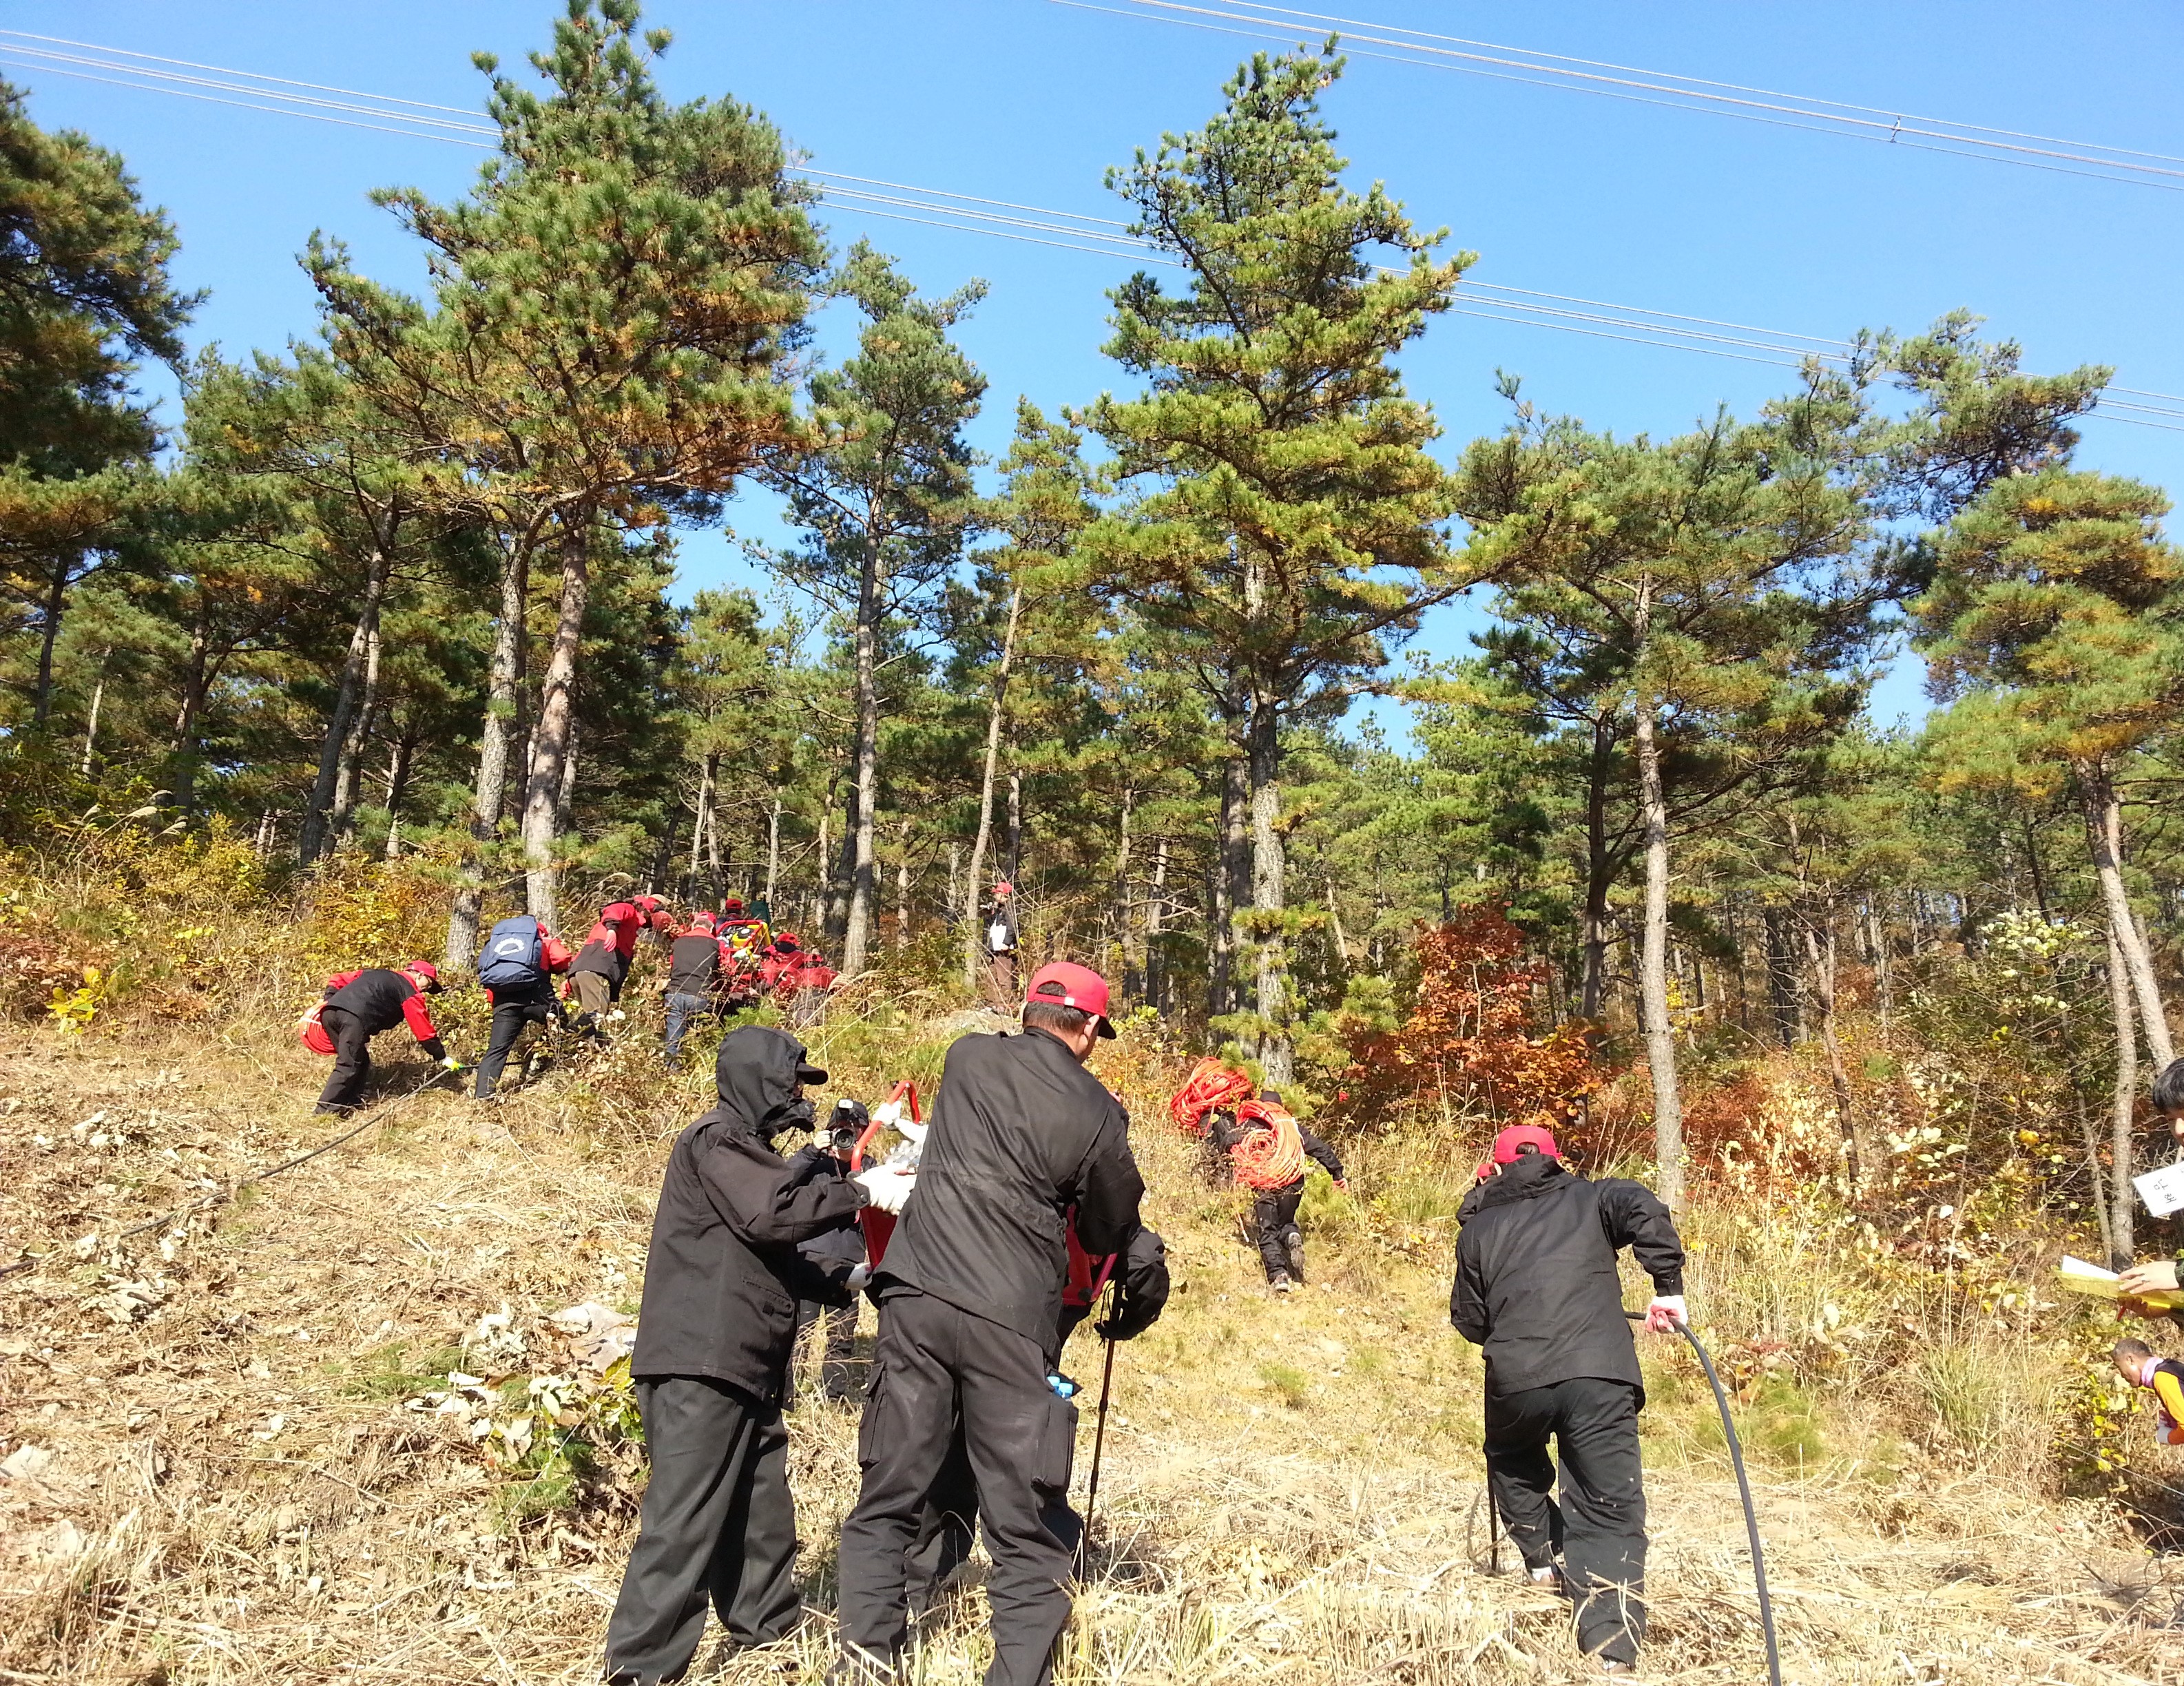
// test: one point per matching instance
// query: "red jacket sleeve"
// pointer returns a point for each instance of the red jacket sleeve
(556, 954)
(421, 1020)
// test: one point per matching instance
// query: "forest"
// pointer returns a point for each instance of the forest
(333, 655)
(405, 591)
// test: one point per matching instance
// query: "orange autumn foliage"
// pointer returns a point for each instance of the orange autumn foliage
(1470, 1040)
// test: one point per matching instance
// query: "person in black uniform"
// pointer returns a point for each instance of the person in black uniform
(1274, 1212)
(970, 1293)
(1536, 1289)
(721, 1282)
(950, 1524)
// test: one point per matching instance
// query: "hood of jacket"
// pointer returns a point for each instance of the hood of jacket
(1531, 1177)
(756, 1073)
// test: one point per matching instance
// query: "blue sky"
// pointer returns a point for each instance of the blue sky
(1029, 100)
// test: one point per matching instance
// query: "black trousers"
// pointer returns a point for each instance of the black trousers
(511, 1014)
(1600, 1526)
(717, 1523)
(1273, 1216)
(946, 1526)
(344, 1089)
(840, 1375)
(934, 1365)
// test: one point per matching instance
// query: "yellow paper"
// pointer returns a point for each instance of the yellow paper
(2079, 1276)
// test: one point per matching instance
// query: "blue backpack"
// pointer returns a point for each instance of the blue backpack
(513, 955)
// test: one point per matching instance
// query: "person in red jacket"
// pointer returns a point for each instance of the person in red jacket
(602, 964)
(358, 1005)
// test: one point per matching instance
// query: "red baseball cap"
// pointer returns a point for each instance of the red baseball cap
(1512, 1141)
(1063, 983)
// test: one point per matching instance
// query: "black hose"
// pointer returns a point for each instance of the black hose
(1743, 1492)
(229, 1193)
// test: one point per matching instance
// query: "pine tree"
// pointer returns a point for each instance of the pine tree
(1286, 522)
(612, 307)
(887, 500)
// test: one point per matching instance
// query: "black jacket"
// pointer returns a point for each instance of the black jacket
(1535, 1281)
(693, 964)
(1020, 1133)
(723, 1275)
(379, 998)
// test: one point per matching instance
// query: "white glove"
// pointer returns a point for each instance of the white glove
(886, 1186)
(859, 1276)
(888, 1112)
(1664, 1312)
(913, 1131)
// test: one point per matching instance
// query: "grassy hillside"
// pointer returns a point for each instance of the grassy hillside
(233, 1454)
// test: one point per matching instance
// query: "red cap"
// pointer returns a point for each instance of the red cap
(1508, 1144)
(1063, 983)
(425, 969)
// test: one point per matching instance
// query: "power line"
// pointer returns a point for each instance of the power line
(1901, 131)
(1734, 87)
(1044, 225)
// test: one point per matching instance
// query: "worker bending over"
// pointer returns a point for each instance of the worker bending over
(1536, 1288)
(2162, 1377)
(358, 1006)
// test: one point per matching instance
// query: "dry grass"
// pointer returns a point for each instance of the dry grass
(236, 1493)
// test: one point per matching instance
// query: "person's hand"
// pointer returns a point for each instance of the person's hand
(887, 1113)
(1133, 1316)
(886, 1186)
(1343, 1183)
(859, 1276)
(2155, 1277)
(2142, 1308)
(449, 1063)
(1664, 1312)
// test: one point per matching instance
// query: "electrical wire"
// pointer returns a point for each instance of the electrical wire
(1734, 87)
(1897, 133)
(1040, 224)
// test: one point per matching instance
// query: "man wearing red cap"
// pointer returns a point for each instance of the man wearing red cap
(971, 1297)
(358, 1005)
(1536, 1289)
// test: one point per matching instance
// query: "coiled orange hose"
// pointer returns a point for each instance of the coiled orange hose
(1210, 1088)
(1270, 1155)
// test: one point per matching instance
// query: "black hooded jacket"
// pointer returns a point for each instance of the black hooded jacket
(1535, 1281)
(1021, 1133)
(723, 1275)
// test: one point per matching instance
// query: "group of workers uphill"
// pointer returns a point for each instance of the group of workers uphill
(1026, 1206)
(717, 962)
(1025, 1165)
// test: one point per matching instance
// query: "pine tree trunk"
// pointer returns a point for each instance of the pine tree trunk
(1118, 903)
(862, 851)
(1154, 911)
(773, 852)
(90, 727)
(1821, 952)
(182, 787)
(974, 947)
(1782, 971)
(564, 803)
(1652, 965)
(709, 771)
(341, 823)
(1231, 849)
(2124, 1107)
(496, 738)
(49, 634)
(555, 730)
(2104, 835)
(902, 890)
(1599, 876)
(1333, 912)
(1015, 857)
(311, 843)
(1269, 863)
(398, 784)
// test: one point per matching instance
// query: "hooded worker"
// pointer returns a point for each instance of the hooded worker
(971, 1297)
(714, 1336)
(1536, 1289)
(358, 1006)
